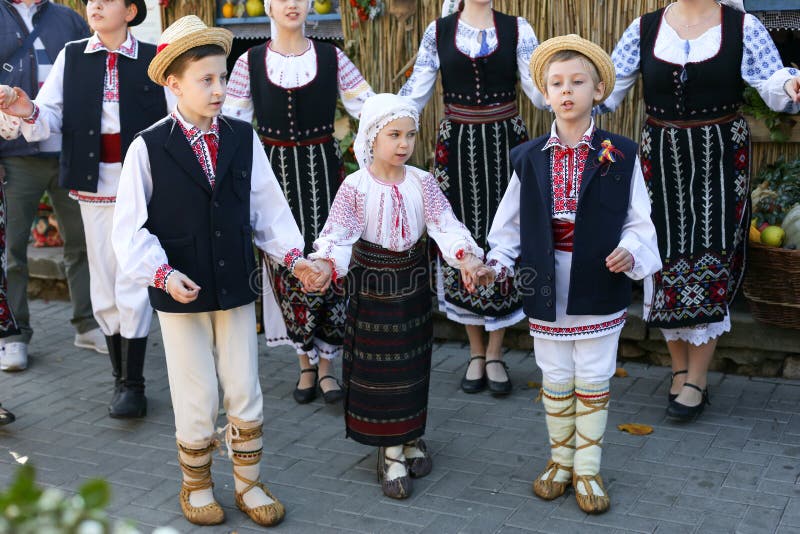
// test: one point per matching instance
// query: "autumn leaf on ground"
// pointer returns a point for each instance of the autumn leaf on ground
(534, 385)
(636, 429)
(620, 372)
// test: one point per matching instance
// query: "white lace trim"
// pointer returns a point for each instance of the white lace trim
(699, 334)
(365, 140)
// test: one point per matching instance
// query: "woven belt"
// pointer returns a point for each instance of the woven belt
(563, 235)
(692, 124)
(374, 256)
(110, 148)
(480, 114)
(305, 142)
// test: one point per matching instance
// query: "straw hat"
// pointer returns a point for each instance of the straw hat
(598, 56)
(141, 12)
(183, 34)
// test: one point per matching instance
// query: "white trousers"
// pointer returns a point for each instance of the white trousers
(201, 347)
(591, 360)
(120, 306)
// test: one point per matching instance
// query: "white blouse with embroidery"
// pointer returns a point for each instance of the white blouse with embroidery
(393, 216)
(420, 85)
(638, 237)
(291, 72)
(761, 67)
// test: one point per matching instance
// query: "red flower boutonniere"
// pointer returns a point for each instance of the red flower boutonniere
(608, 155)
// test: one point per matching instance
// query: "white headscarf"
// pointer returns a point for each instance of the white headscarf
(378, 111)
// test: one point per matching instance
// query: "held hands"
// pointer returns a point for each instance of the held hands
(474, 273)
(315, 276)
(181, 288)
(14, 101)
(792, 88)
(619, 261)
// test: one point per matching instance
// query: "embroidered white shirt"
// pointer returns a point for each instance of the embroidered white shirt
(419, 87)
(393, 216)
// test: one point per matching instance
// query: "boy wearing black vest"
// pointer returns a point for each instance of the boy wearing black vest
(196, 188)
(98, 96)
(584, 234)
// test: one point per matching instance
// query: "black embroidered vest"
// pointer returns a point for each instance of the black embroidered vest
(141, 103)
(704, 90)
(206, 233)
(305, 112)
(480, 81)
(602, 209)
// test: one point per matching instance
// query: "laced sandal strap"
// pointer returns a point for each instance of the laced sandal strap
(309, 370)
(589, 441)
(564, 442)
(395, 460)
(329, 377)
(587, 483)
(200, 475)
(553, 468)
(477, 358)
(250, 483)
(703, 392)
(247, 434)
(567, 411)
(594, 406)
(681, 372)
(501, 362)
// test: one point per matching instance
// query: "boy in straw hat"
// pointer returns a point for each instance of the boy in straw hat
(196, 188)
(98, 96)
(584, 235)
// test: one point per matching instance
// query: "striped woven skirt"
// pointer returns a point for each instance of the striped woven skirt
(386, 363)
(310, 173)
(698, 178)
(473, 169)
(8, 326)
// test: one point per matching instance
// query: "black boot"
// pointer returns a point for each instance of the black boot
(114, 344)
(131, 401)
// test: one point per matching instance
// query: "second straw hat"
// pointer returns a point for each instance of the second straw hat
(183, 34)
(598, 56)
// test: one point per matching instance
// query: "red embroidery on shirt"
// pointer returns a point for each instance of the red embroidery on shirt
(160, 278)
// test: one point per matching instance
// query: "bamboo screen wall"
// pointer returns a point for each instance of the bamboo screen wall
(384, 50)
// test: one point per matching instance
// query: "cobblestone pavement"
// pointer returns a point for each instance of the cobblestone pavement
(733, 470)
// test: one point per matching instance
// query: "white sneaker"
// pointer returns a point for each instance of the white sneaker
(14, 356)
(93, 339)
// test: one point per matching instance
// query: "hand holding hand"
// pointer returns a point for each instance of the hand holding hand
(619, 261)
(792, 88)
(469, 266)
(484, 276)
(319, 277)
(181, 288)
(14, 101)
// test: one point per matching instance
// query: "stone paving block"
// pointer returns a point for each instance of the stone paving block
(785, 529)
(656, 449)
(752, 497)
(659, 490)
(659, 512)
(620, 522)
(703, 483)
(565, 526)
(759, 520)
(744, 476)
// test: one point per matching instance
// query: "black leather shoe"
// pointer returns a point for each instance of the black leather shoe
(333, 395)
(306, 395)
(499, 389)
(477, 385)
(671, 396)
(681, 412)
(6, 417)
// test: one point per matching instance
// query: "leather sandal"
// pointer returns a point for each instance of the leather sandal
(209, 514)
(499, 389)
(6, 417)
(419, 466)
(398, 488)
(306, 395)
(476, 385)
(545, 487)
(590, 503)
(681, 412)
(672, 396)
(333, 395)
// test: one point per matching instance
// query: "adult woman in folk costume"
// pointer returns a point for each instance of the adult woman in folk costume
(695, 57)
(290, 85)
(481, 53)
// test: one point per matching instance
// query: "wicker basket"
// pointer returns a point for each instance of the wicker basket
(772, 285)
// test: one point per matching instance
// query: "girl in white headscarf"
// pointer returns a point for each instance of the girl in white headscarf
(481, 54)
(377, 231)
(290, 85)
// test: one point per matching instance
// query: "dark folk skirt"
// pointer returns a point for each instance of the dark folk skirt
(698, 179)
(8, 326)
(386, 363)
(473, 169)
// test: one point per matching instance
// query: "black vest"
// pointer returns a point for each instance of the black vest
(705, 90)
(141, 103)
(479, 81)
(602, 208)
(297, 114)
(206, 234)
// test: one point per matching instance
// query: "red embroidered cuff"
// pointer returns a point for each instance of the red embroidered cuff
(291, 258)
(500, 270)
(334, 274)
(460, 254)
(161, 276)
(34, 115)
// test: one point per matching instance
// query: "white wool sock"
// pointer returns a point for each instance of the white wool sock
(559, 404)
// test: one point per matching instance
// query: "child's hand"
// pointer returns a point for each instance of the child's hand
(619, 261)
(14, 101)
(322, 276)
(181, 288)
(469, 267)
(484, 276)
